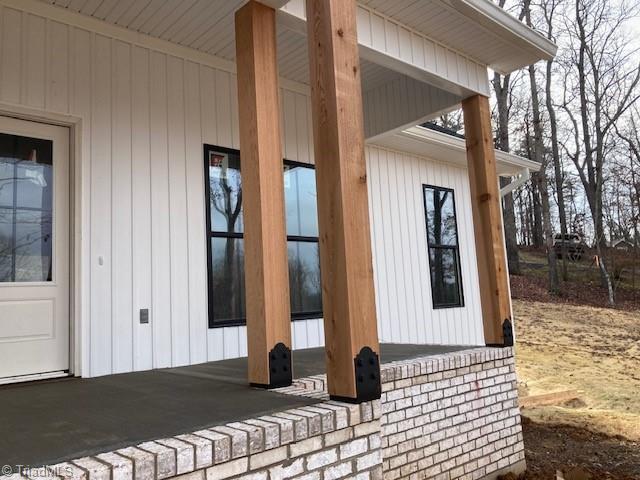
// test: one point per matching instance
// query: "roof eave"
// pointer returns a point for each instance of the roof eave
(423, 138)
(496, 19)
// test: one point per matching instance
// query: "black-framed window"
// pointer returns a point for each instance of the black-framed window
(444, 253)
(225, 245)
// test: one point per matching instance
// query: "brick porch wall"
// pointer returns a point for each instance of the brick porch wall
(444, 417)
(453, 417)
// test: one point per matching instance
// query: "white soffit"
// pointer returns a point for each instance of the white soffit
(478, 28)
(427, 143)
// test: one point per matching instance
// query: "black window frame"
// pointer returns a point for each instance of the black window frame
(456, 248)
(210, 234)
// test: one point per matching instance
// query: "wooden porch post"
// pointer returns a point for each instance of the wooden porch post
(265, 241)
(351, 336)
(487, 222)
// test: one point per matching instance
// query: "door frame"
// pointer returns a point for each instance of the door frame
(77, 353)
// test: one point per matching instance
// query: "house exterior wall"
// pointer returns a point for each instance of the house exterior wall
(145, 109)
(400, 251)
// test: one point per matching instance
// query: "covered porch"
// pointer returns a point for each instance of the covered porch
(48, 422)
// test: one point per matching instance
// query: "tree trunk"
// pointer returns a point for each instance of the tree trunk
(501, 87)
(557, 166)
(538, 150)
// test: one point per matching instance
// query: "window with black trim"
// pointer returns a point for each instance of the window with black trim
(444, 254)
(223, 185)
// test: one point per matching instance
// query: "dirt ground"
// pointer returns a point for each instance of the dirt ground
(596, 351)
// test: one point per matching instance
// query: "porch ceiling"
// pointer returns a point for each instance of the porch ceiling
(208, 26)
(477, 28)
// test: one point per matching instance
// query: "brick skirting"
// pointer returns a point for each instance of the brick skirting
(450, 416)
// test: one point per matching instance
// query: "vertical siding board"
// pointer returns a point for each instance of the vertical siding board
(58, 60)
(223, 108)
(12, 57)
(160, 231)
(121, 301)
(235, 122)
(411, 186)
(195, 216)
(35, 71)
(208, 106)
(302, 137)
(141, 209)
(290, 126)
(81, 106)
(180, 332)
(101, 314)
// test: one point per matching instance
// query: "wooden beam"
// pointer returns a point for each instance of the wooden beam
(351, 336)
(265, 241)
(487, 222)
(275, 4)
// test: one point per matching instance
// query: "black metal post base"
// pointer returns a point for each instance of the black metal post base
(507, 335)
(280, 372)
(367, 374)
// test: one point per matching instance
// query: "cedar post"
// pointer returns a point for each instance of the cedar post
(351, 336)
(487, 222)
(265, 241)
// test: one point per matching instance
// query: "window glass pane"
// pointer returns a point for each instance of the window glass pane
(7, 180)
(6, 245)
(227, 279)
(225, 200)
(441, 219)
(26, 202)
(444, 276)
(300, 201)
(32, 246)
(304, 277)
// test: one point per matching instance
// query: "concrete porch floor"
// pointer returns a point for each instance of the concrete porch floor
(43, 423)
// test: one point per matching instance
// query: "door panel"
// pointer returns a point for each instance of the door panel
(34, 248)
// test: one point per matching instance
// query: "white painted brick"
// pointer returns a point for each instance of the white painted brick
(256, 435)
(353, 448)
(369, 461)
(121, 467)
(165, 459)
(287, 434)
(268, 457)
(309, 476)
(239, 440)
(184, 454)
(287, 470)
(254, 476)
(305, 447)
(221, 445)
(95, 469)
(321, 459)
(338, 437)
(203, 449)
(228, 469)
(300, 426)
(271, 432)
(143, 462)
(338, 471)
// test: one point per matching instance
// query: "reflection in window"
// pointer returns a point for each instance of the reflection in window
(26, 209)
(444, 257)
(226, 250)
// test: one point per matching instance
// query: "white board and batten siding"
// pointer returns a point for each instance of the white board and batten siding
(145, 114)
(400, 251)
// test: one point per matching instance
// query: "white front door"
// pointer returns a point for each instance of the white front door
(34, 250)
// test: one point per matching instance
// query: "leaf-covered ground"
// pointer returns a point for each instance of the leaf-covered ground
(562, 346)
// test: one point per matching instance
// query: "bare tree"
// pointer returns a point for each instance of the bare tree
(540, 177)
(549, 8)
(600, 67)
